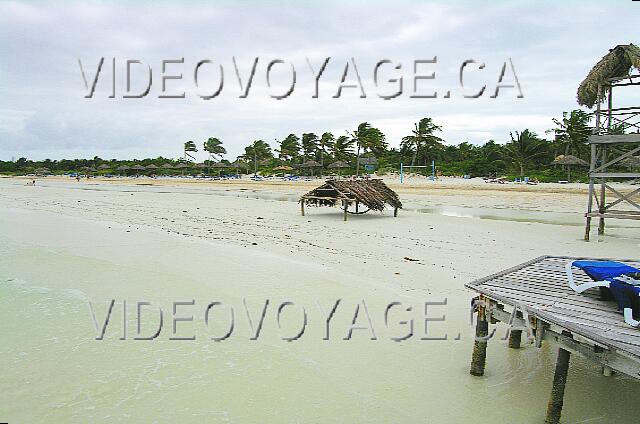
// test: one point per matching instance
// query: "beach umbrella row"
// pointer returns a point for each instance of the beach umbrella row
(218, 165)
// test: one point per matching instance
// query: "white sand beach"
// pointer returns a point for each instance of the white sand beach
(65, 243)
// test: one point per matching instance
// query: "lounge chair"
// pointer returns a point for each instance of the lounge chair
(620, 280)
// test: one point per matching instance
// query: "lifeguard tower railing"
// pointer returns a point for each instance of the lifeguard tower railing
(609, 151)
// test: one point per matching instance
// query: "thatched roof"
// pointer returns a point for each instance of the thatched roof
(167, 166)
(181, 166)
(220, 165)
(631, 162)
(283, 168)
(374, 194)
(137, 168)
(43, 171)
(339, 164)
(368, 161)
(104, 166)
(123, 168)
(90, 169)
(152, 166)
(569, 160)
(615, 64)
(310, 164)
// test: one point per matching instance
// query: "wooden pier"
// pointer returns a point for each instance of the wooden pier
(536, 299)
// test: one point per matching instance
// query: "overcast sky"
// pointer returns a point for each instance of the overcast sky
(44, 114)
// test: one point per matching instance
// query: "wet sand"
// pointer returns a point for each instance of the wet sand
(64, 244)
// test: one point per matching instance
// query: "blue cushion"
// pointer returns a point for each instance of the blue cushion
(604, 270)
(626, 295)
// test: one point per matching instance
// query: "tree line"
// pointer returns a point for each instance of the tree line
(525, 153)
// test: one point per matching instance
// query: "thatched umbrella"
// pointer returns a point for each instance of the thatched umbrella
(237, 164)
(123, 169)
(631, 162)
(89, 169)
(569, 161)
(219, 166)
(339, 165)
(137, 168)
(310, 164)
(182, 166)
(283, 168)
(151, 168)
(368, 161)
(615, 64)
(167, 166)
(103, 167)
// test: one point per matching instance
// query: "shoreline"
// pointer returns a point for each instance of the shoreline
(443, 184)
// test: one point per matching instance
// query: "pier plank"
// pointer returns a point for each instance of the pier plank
(541, 287)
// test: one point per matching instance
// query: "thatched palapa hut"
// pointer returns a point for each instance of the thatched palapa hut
(374, 194)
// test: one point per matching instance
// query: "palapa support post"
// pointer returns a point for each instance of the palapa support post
(345, 205)
(302, 207)
(357, 206)
(479, 356)
(395, 212)
(554, 409)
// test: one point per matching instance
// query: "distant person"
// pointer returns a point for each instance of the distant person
(78, 177)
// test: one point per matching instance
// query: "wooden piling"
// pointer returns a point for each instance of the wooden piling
(479, 356)
(554, 409)
(515, 336)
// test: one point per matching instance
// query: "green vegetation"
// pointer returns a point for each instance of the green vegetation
(526, 153)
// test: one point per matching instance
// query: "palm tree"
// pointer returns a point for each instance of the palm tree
(524, 148)
(214, 147)
(289, 147)
(326, 143)
(491, 157)
(422, 137)
(309, 144)
(189, 146)
(342, 148)
(367, 138)
(258, 150)
(572, 131)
